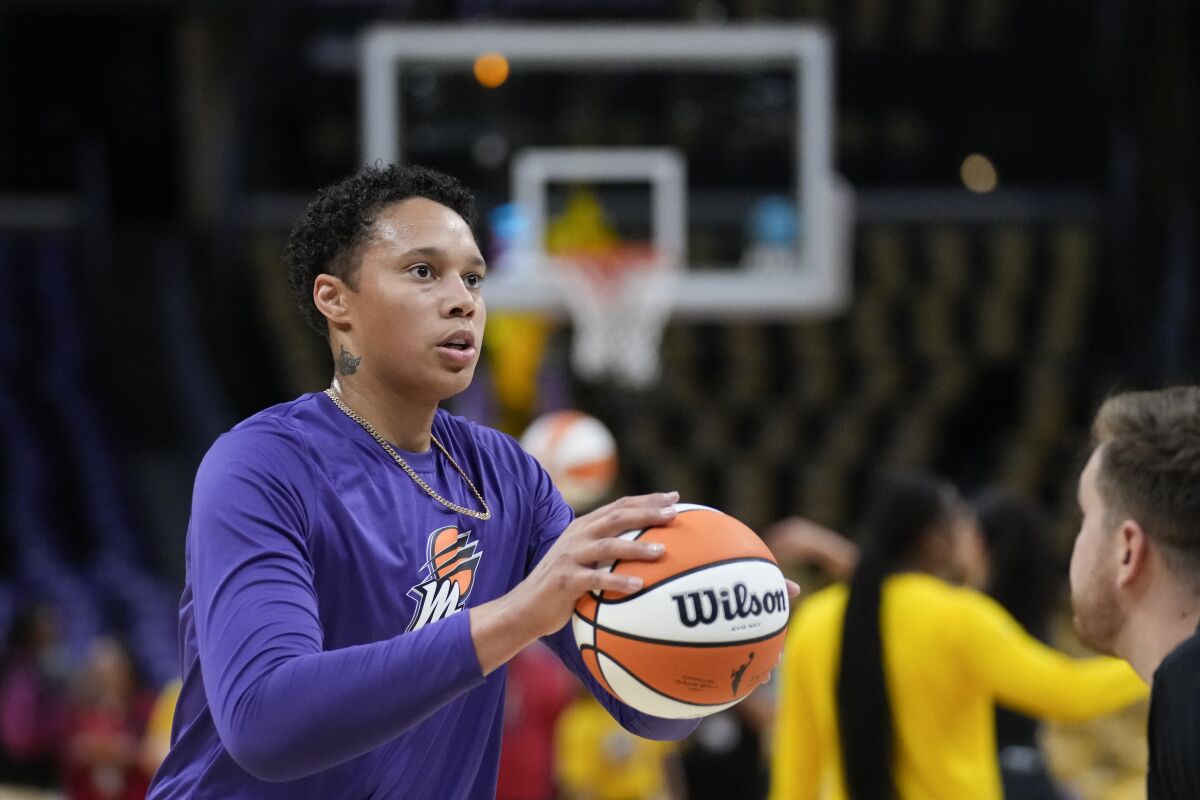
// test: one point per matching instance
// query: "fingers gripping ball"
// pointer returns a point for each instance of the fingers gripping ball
(705, 629)
(577, 451)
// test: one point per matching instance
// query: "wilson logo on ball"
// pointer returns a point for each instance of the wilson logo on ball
(733, 605)
(704, 630)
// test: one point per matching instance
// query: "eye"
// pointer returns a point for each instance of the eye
(421, 270)
(473, 280)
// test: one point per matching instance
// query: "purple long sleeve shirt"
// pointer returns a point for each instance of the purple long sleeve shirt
(322, 649)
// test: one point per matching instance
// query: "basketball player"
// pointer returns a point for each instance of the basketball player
(335, 540)
(1010, 561)
(889, 685)
(1135, 570)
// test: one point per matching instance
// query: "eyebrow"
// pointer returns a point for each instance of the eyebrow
(437, 252)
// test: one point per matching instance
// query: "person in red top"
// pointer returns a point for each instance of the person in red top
(103, 758)
(539, 688)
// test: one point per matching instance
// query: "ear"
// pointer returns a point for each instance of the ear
(330, 295)
(1133, 549)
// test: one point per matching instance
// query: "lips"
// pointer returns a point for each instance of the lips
(459, 340)
(458, 349)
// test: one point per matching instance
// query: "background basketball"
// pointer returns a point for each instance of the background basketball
(706, 628)
(579, 453)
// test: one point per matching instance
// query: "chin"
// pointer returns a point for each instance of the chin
(1096, 627)
(457, 383)
(1085, 636)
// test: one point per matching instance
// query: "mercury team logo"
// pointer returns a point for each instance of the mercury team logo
(449, 574)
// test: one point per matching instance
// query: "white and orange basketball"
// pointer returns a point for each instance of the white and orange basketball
(704, 630)
(578, 452)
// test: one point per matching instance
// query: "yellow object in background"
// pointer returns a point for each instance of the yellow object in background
(582, 227)
(516, 342)
(1102, 759)
(156, 741)
(950, 655)
(597, 759)
(516, 345)
(159, 725)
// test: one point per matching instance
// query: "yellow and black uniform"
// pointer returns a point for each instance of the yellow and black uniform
(950, 654)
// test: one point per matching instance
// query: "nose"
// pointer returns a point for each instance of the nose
(459, 301)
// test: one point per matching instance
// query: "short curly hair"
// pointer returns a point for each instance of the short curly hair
(339, 221)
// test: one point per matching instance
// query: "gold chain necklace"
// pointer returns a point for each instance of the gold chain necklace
(486, 514)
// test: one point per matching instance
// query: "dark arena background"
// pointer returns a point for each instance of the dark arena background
(1019, 237)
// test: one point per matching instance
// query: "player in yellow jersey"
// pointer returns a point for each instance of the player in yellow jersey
(908, 711)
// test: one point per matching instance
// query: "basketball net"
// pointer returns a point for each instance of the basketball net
(619, 301)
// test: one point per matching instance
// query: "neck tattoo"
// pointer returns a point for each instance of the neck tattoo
(347, 364)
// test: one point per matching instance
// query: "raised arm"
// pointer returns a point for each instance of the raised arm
(1028, 676)
(799, 541)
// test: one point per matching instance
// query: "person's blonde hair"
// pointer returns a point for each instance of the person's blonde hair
(1149, 469)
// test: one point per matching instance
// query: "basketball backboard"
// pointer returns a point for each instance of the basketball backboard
(746, 113)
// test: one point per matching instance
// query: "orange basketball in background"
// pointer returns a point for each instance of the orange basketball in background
(578, 452)
(704, 630)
